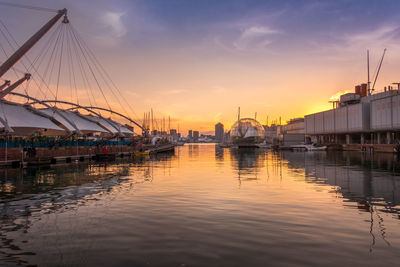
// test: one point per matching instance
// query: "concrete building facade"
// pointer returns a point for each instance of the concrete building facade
(367, 123)
(219, 132)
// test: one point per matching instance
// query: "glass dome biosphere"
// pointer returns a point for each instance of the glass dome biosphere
(247, 128)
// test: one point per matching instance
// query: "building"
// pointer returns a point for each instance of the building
(219, 132)
(294, 126)
(359, 121)
(291, 133)
(196, 136)
(190, 134)
(271, 133)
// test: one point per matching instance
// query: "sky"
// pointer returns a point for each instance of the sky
(198, 61)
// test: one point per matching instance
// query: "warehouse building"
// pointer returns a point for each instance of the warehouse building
(359, 121)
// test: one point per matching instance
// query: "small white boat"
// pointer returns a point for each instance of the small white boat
(317, 148)
(308, 147)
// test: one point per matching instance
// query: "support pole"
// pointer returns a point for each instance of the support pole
(9, 89)
(30, 43)
(6, 150)
(5, 84)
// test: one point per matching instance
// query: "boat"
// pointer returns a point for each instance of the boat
(317, 148)
(308, 147)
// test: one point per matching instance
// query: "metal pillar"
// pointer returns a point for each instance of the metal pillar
(347, 139)
(388, 137)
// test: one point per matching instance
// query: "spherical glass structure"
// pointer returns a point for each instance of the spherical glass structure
(247, 128)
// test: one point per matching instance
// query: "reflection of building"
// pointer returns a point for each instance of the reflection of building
(361, 184)
(247, 162)
(219, 132)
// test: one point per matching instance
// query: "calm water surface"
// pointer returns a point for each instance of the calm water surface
(204, 206)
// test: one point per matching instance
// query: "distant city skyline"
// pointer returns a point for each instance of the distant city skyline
(197, 61)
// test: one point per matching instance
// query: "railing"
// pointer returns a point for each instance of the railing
(63, 143)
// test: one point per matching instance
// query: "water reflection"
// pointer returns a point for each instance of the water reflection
(369, 180)
(25, 194)
(248, 163)
(187, 209)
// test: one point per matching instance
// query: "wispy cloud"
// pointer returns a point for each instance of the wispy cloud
(113, 28)
(113, 21)
(255, 38)
(173, 92)
(383, 34)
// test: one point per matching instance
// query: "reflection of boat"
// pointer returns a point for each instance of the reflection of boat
(159, 148)
(223, 145)
(264, 145)
(141, 154)
(179, 143)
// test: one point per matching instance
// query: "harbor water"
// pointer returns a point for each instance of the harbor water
(205, 206)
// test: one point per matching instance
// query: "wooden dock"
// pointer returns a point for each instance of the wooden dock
(64, 159)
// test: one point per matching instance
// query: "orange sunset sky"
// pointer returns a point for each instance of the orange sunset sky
(198, 61)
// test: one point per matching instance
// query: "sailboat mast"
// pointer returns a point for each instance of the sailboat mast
(369, 82)
(152, 120)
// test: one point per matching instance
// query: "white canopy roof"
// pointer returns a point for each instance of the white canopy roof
(111, 125)
(85, 125)
(25, 122)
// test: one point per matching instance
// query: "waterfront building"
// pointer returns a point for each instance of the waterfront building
(359, 121)
(190, 134)
(271, 133)
(292, 133)
(219, 132)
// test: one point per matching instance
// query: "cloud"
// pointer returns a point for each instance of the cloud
(384, 34)
(173, 92)
(217, 116)
(113, 21)
(255, 37)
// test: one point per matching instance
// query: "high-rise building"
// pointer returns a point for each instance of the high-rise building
(190, 135)
(196, 136)
(219, 132)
